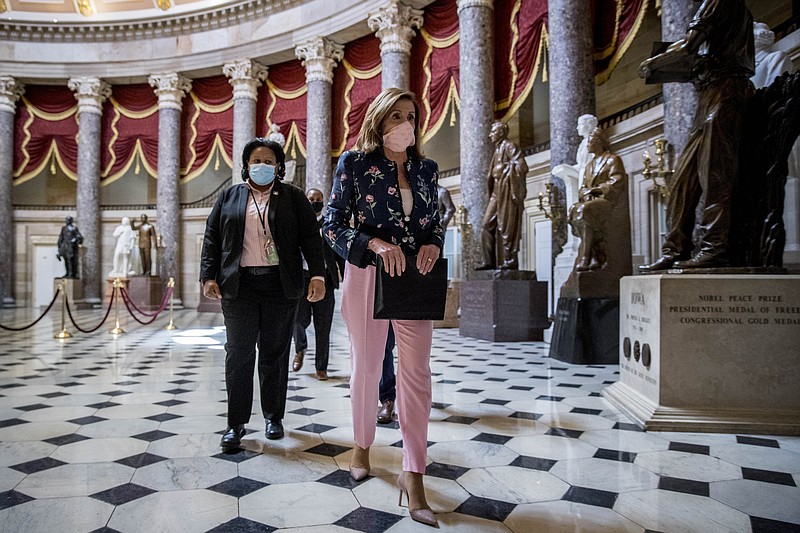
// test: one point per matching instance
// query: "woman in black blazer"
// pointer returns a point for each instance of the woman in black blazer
(255, 238)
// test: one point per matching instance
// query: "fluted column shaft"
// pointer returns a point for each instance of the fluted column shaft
(10, 91)
(170, 89)
(90, 93)
(571, 93)
(475, 18)
(245, 77)
(680, 99)
(394, 25)
(319, 56)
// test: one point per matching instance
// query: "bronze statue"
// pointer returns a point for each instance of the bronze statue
(717, 55)
(68, 242)
(502, 220)
(604, 192)
(446, 206)
(147, 235)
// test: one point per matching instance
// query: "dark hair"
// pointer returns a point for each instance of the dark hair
(277, 149)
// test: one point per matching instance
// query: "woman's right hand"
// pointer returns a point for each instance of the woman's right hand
(211, 289)
(394, 260)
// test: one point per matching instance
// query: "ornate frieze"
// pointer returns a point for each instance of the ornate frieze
(170, 89)
(90, 94)
(466, 4)
(245, 76)
(10, 91)
(319, 56)
(394, 25)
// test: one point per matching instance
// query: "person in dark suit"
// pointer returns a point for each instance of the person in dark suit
(256, 237)
(321, 310)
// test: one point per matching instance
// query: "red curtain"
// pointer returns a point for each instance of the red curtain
(616, 23)
(130, 131)
(434, 65)
(45, 130)
(356, 82)
(206, 126)
(282, 101)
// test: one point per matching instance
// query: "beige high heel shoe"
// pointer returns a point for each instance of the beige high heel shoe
(423, 516)
(359, 473)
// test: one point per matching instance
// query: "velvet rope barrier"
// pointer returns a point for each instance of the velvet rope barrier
(129, 303)
(53, 301)
(92, 330)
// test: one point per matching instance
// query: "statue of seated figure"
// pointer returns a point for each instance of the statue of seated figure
(597, 217)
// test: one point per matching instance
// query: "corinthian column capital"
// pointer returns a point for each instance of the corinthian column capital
(394, 25)
(90, 94)
(10, 91)
(170, 89)
(319, 56)
(465, 4)
(245, 77)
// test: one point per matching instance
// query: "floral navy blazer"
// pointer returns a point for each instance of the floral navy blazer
(365, 189)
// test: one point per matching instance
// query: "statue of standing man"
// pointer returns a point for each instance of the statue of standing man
(68, 242)
(502, 220)
(147, 236)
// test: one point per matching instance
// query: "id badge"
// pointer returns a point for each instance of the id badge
(271, 251)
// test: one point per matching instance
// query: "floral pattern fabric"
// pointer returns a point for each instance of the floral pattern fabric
(366, 191)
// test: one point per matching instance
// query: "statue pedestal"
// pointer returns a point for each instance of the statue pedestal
(146, 292)
(73, 288)
(504, 305)
(710, 353)
(208, 305)
(586, 327)
(451, 306)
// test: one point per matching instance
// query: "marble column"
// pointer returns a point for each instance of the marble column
(319, 56)
(476, 64)
(394, 25)
(10, 91)
(170, 89)
(245, 76)
(680, 99)
(90, 93)
(571, 94)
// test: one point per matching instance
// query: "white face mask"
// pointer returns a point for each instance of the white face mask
(261, 173)
(400, 137)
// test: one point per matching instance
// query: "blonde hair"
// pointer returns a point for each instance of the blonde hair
(371, 137)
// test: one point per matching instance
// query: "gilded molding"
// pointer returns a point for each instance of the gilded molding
(170, 89)
(3, 7)
(319, 56)
(90, 94)
(10, 92)
(394, 25)
(466, 4)
(245, 76)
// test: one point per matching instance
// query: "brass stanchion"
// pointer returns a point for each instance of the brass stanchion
(171, 325)
(63, 334)
(117, 329)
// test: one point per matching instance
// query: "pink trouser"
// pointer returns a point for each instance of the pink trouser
(367, 343)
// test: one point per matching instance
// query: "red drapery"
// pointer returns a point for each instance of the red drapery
(130, 132)
(434, 66)
(45, 130)
(356, 82)
(207, 126)
(282, 101)
(616, 23)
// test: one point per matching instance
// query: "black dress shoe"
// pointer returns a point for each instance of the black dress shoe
(274, 430)
(703, 260)
(665, 262)
(232, 437)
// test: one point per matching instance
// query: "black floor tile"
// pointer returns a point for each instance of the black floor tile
(11, 498)
(123, 494)
(343, 479)
(688, 448)
(445, 471)
(491, 438)
(66, 439)
(765, 525)
(141, 460)
(533, 463)
(598, 498)
(767, 476)
(368, 520)
(686, 486)
(315, 428)
(328, 450)
(757, 441)
(152, 436)
(241, 525)
(238, 486)
(461, 420)
(486, 508)
(560, 432)
(615, 455)
(39, 465)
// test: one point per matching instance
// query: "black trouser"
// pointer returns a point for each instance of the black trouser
(387, 389)
(323, 318)
(261, 315)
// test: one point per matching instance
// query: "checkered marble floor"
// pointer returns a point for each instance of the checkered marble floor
(105, 434)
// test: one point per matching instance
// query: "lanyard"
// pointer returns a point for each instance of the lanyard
(258, 210)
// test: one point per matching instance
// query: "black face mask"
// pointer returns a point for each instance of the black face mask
(317, 206)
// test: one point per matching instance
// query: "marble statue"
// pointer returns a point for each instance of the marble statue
(147, 237)
(446, 206)
(68, 242)
(586, 125)
(290, 165)
(769, 63)
(122, 252)
(718, 56)
(502, 220)
(604, 193)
